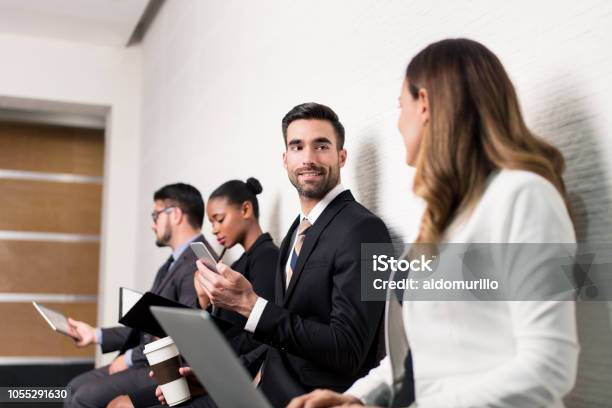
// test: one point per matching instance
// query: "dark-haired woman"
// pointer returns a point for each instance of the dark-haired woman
(485, 178)
(233, 211)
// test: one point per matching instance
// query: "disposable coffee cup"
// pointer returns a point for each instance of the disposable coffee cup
(163, 357)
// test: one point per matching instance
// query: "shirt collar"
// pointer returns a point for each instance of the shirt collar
(318, 209)
(179, 251)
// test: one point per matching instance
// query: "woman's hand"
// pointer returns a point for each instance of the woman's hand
(203, 298)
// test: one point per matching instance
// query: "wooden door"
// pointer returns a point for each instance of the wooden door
(50, 212)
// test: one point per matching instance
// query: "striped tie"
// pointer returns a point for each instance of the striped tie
(299, 240)
(297, 247)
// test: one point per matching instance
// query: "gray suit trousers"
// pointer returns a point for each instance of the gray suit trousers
(96, 388)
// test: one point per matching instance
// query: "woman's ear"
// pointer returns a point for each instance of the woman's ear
(423, 106)
(246, 210)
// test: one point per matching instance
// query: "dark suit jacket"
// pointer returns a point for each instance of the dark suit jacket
(176, 284)
(320, 332)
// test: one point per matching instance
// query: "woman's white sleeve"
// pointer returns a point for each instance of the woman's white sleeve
(375, 386)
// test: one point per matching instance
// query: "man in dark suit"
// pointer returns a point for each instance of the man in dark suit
(318, 331)
(178, 214)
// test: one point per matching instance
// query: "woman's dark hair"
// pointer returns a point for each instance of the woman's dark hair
(238, 191)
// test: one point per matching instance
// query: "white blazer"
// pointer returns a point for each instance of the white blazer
(492, 354)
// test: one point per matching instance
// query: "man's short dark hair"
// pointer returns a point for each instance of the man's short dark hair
(187, 198)
(312, 110)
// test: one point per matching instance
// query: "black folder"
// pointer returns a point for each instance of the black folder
(140, 317)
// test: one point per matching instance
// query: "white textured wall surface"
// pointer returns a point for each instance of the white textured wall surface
(219, 76)
(52, 72)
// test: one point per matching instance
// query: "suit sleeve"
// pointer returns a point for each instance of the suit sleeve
(184, 293)
(343, 343)
(252, 360)
(375, 387)
(138, 357)
(114, 338)
(243, 343)
(185, 289)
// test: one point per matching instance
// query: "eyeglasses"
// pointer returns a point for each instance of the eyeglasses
(155, 214)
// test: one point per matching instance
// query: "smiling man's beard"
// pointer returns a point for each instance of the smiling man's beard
(318, 190)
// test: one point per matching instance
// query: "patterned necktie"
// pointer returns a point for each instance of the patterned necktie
(297, 247)
(299, 240)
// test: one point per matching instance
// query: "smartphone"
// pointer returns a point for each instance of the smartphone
(204, 255)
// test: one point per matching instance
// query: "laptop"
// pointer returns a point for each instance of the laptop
(211, 358)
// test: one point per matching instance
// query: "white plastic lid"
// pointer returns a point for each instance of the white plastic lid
(158, 344)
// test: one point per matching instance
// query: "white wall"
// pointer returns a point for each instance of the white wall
(219, 76)
(62, 75)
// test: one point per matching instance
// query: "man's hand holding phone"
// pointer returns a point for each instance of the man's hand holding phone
(227, 288)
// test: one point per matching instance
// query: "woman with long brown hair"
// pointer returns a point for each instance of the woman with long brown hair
(485, 178)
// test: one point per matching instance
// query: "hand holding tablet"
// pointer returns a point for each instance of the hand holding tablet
(58, 322)
(84, 334)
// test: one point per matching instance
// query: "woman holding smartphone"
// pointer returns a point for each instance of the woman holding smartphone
(485, 178)
(233, 212)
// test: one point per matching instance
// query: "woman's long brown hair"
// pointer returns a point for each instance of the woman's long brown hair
(475, 127)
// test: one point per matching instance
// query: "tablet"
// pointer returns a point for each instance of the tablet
(55, 319)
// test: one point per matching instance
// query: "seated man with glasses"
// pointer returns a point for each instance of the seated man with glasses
(178, 214)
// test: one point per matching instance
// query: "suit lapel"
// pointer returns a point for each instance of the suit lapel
(177, 264)
(168, 276)
(279, 290)
(312, 236)
(161, 274)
